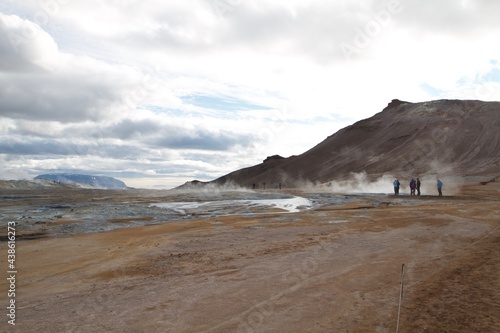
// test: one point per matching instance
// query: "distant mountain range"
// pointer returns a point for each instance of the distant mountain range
(100, 182)
(443, 137)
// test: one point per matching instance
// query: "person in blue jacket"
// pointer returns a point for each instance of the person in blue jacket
(396, 187)
(440, 187)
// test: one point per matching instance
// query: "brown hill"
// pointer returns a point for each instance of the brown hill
(445, 137)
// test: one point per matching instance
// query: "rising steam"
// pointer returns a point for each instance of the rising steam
(360, 183)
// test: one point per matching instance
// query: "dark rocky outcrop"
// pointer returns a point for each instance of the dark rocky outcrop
(274, 157)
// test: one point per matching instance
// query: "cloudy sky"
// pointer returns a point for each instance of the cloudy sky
(156, 93)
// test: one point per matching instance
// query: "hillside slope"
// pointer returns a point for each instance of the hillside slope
(449, 137)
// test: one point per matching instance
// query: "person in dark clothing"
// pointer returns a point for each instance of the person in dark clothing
(413, 184)
(418, 186)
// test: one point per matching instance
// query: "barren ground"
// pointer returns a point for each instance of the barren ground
(335, 268)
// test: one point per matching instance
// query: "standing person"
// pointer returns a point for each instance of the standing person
(418, 186)
(440, 187)
(396, 187)
(413, 184)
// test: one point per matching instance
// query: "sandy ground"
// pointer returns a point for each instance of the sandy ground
(336, 268)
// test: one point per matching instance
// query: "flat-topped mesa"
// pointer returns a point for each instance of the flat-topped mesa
(90, 181)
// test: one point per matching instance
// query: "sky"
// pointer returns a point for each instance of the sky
(157, 93)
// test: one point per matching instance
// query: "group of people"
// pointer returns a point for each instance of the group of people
(415, 186)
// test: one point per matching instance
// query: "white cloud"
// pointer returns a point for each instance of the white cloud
(25, 46)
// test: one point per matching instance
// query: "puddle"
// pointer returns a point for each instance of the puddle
(332, 221)
(229, 207)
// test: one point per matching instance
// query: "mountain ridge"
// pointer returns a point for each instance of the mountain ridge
(405, 139)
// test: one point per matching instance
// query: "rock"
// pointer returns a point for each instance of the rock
(274, 157)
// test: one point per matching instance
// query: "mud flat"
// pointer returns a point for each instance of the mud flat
(331, 266)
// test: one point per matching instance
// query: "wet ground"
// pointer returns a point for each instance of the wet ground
(69, 211)
(332, 266)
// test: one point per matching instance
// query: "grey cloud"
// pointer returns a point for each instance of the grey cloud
(315, 30)
(176, 136)
(53, 97)
(201, 139)
(55, 130)
(137, 139)
(448, 17)
(37, 82)
(128, 129)
(63, 147)
(33, 146)
(123, 151)
(311, 28)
